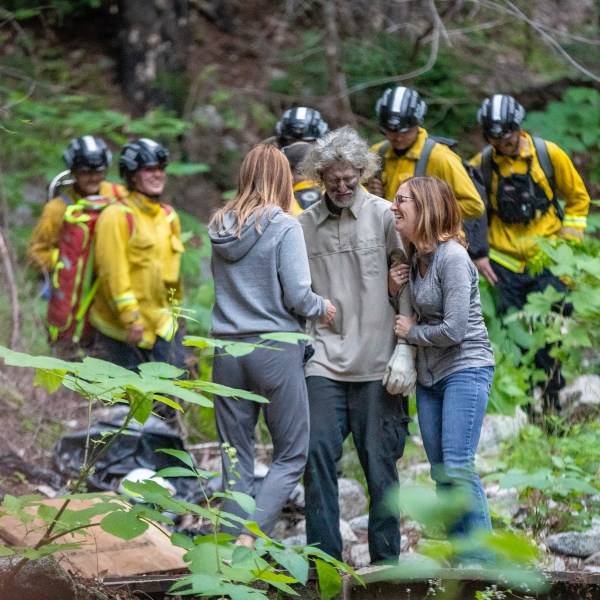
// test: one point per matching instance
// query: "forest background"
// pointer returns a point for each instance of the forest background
(210, 78)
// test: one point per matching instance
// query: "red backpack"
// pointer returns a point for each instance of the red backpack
(73, 282)
(73, 285)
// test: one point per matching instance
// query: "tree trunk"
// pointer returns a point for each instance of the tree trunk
(341, 98)
(153, 46)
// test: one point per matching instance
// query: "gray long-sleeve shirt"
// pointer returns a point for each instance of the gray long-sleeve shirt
(262, 280)
(451, 334)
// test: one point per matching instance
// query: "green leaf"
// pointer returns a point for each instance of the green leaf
(155, 493)
(181, 455)
(51, 380)
(197, 583)
(295, 564)
(143, 511)
(203, 559)
(5, 551)
(123, 525)
(182, 541)
(179, 168)
(141, 405)
(177, 472)
(286, 336)
(330, 582)
(224, 390)
(49, 549)
(160, 370)
(237, 349)
(247, 503)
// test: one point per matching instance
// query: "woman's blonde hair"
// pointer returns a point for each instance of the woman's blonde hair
(264, 181)
(438, 213)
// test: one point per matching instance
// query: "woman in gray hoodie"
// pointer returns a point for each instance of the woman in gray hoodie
(262, 285)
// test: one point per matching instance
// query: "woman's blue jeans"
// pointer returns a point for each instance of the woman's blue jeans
(450, 414)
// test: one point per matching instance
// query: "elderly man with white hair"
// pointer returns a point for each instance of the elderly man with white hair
(353, 249)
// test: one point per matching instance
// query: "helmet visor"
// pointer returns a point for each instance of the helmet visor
(398, 124)
(500, 131)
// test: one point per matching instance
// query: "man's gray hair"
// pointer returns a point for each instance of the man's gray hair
(342, 145)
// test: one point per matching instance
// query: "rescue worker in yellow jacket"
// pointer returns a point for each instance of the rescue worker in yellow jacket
(523, 206)
(401, 111)
(137, 261)
(88, 159)
(306, 192)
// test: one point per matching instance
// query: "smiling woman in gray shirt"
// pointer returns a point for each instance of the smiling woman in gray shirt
(455, 361)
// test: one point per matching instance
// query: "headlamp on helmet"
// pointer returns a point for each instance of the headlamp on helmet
(400, 109)
(500, 116)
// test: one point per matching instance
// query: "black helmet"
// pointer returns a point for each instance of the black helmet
(400, 109)
(87, 153)
(141, 153)
(500, 116)
(301, 123)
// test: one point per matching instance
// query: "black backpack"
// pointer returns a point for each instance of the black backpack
(488, 165)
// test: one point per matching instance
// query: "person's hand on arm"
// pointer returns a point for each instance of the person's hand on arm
(403, 325)
(397, 278)
(484, 266)
(330, 311)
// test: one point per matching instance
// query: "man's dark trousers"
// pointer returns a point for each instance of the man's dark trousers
(378, 423)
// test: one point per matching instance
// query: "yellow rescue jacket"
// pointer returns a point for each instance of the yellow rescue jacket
(137, 270)
(443, 163)
(42, 251)
(301, 189)
(513, 245)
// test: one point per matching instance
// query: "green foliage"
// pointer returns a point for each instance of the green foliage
(510, 387)
(26, 9)
(574, 123)
(216, 565)
(512, 554)
(557, 498)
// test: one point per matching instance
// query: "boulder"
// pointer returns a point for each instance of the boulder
(575, 543)
(352, 499)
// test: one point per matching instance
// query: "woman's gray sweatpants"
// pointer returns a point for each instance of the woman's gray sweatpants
(275, 372)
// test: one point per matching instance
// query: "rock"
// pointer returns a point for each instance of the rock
(280, 530)
(359, 555)
(581, 398)
(591, 569)
(352, 499)
(499, 429)
(348, 536)
(504, 502)
(41, 578)
(359, 524)
(574, 543)
(414, 472)
(295, 540)
(593, 560)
